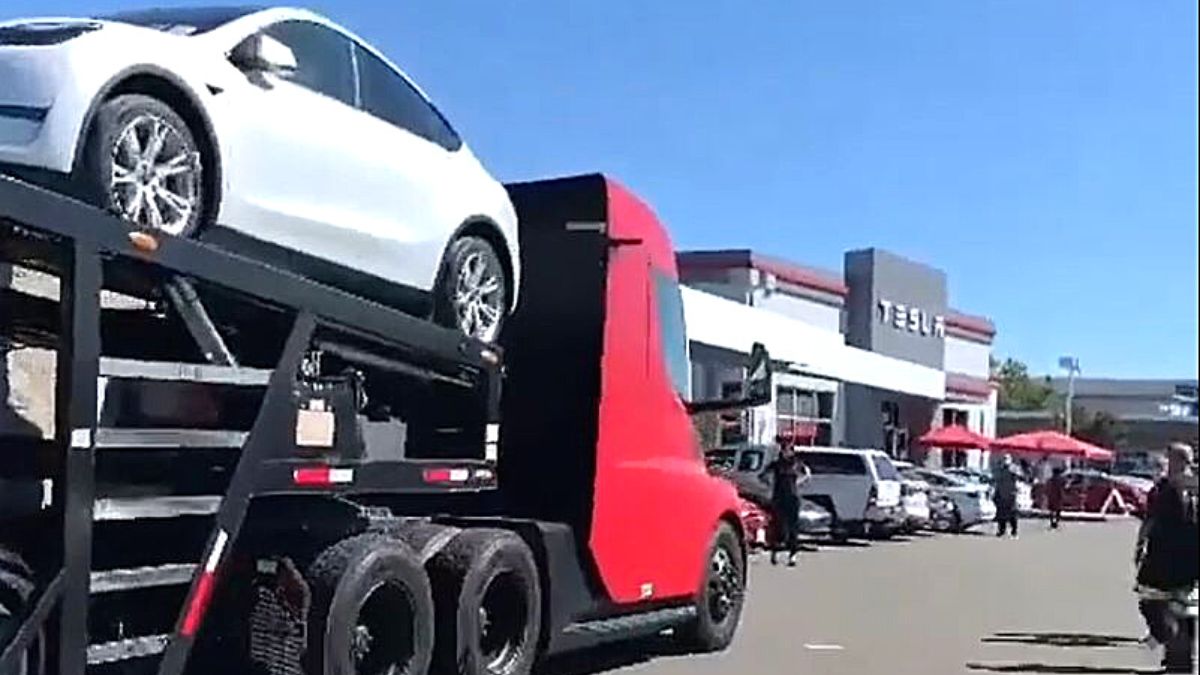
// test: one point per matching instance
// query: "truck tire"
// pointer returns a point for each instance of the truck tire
(16, 591)
(489, 604)
(719, 601)
(372, 610)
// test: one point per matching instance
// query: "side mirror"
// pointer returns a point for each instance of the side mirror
(757, 389)
(263, 53)
(759, 386)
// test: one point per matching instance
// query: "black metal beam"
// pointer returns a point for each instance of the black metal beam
(74, 429)
(272, 435)
(39, 209)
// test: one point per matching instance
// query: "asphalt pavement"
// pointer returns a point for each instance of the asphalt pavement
(1048, 602)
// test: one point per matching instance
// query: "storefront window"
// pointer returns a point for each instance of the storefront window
(802, 415)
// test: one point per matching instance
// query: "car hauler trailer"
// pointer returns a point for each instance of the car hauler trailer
(255, 472)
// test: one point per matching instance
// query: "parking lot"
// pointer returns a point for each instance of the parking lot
(1049, 602)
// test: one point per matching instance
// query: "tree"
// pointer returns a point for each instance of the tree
(1019, 391)
(1101, 428)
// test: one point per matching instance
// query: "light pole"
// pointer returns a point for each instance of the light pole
(1071, 365)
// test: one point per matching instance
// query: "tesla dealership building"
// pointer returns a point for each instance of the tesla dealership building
(869, 358)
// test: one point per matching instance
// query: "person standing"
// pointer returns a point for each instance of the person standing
(1167, 548)
(1006, 497)
(786, 472)
(1054, 496)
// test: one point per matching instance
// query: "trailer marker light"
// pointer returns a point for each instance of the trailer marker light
(447, 475)
(202, 598)
(318, 476)
(143, 241)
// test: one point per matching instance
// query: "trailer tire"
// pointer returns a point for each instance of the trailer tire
(719, 601)
(489, 604)
(371, 608)
(16, 590)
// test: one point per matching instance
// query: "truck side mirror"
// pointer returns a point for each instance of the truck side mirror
(759, 385)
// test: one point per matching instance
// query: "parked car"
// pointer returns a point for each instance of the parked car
(861, 488)
(1089, 490)
(914, 500)
(744, 467)
(1024, 487)
(275, 132)
(971, 503)
(756, 523)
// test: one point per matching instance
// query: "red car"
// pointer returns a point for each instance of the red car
(756, 523)
(1089, 491)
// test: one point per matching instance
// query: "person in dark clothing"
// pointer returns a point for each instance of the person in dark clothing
(1167, 550)
(1054, 496)
(1006, 497)
(786, 472)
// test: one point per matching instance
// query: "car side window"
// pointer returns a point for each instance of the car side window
(385, 94)
(324, 61)
(751, 460)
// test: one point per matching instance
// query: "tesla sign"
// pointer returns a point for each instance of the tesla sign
(911, 319)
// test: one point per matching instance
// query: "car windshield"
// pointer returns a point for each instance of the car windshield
(181, 20)
(883, 467)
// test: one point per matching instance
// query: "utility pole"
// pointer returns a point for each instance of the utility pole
(1071, 365)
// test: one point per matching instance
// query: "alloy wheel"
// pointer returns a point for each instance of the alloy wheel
(479, 296)
(155, 175)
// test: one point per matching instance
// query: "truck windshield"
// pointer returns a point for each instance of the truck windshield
(673, 332)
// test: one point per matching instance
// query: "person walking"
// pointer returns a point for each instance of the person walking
(1054, 496)
(1167, 548)
(1006, 497)
(786, 472)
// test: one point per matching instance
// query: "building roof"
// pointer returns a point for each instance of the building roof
(971, 323)
(785, 270)
(1103, 387)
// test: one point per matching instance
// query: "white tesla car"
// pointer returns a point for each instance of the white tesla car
(273, 131)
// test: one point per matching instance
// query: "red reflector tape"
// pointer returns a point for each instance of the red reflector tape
(204, 587)
(322, 475)
(199, 604)
(447, 475)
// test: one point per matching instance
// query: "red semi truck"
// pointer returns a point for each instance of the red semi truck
(261, 473)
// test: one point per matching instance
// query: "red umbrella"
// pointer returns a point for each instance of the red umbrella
(1096, 453)
(956, 437)
(1049, 443)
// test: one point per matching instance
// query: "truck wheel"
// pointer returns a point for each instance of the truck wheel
(372, 611)
(16, 590)
(719, 604)
(489, 604)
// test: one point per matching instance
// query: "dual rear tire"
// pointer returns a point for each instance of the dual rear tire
(473, 609)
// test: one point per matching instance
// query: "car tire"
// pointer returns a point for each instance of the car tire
(372, 609)
(720, 599)
(472, 289)
(142, 162)
(489, 604)
(17, 590)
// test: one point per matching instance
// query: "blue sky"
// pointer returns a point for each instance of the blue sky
(1042, 152)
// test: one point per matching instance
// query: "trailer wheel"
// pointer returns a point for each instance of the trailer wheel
(372, 611)
(719, 602)
(16, 590)
(489, 604)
